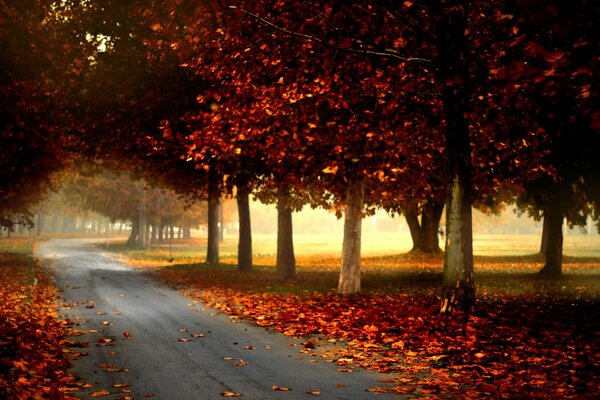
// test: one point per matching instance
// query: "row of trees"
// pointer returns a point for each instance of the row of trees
(351, 106)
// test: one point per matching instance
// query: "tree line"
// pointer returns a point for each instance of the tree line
(404, 106)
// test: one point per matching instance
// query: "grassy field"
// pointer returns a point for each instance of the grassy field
(504, 264)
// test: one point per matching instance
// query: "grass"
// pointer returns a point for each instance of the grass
(318, 270)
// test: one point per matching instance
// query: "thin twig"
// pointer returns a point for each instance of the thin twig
(382, 53)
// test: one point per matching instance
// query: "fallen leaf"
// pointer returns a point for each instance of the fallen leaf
(184, 340)
(100, 393)
(248, 347)
(313, 392)
(120, 385)
(230, 394)
(197, 335)
(127, 335)
(281, 388)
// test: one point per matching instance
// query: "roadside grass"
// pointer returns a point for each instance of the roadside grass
(529, 336)
(32, 363)
(408, 272)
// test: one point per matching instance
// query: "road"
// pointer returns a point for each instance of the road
(134, 324)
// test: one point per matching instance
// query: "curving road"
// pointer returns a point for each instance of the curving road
(134, 324)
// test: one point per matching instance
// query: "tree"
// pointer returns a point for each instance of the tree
(32, 122)
(547, 72)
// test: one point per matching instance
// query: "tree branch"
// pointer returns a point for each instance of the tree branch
(381, 53)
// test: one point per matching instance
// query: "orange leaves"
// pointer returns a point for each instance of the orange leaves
(100, 393)
(280, 388)
(507, 347)
(31, 339)
(230, 394)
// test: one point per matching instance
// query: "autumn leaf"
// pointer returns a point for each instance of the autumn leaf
(127, 335)
(184, 340)
(313, 392)
(100, 393)
(280, 388)
(230, 394)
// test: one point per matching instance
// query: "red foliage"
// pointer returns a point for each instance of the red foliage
(32, 365)
(513, 346)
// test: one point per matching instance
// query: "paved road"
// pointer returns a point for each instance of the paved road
(109, 296)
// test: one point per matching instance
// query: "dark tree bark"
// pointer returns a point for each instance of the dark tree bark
(554, 248)
(430, 225)
(161, 233)
(458, 289)
(214, 198)
(245, 234)
(545, 229)
(414, 226)
(286, 261)
(350, 277)
(425, 234)
(132, 240)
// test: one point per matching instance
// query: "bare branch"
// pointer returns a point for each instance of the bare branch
(381, 53)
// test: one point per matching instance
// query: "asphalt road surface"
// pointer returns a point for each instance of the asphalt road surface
(134, 324)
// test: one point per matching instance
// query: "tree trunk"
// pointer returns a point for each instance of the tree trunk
(425, 234)
(161, 233)
(555, 217)
(214, 198)
(349, 282)
(415, 229)
(545, 229)
(187, 233)
(458, 289)
(39, 224)
(430, 227)
(286, 261)
(153, 234)
(245, 234)
(132, 240)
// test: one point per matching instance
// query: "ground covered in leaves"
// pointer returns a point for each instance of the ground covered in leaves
(32, 362)
(530, 337)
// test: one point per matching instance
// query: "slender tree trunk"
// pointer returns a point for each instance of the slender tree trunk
(154, 236)
(430, 227)
(172, 232)
(458, 289)
(214, 198)
(161, 233)
(545, 229)
(415, 229)
(187, 233)
(39, 224)
(135, 227)
(349, 282)
(286, 261)
(245, 234)
(555, 217)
